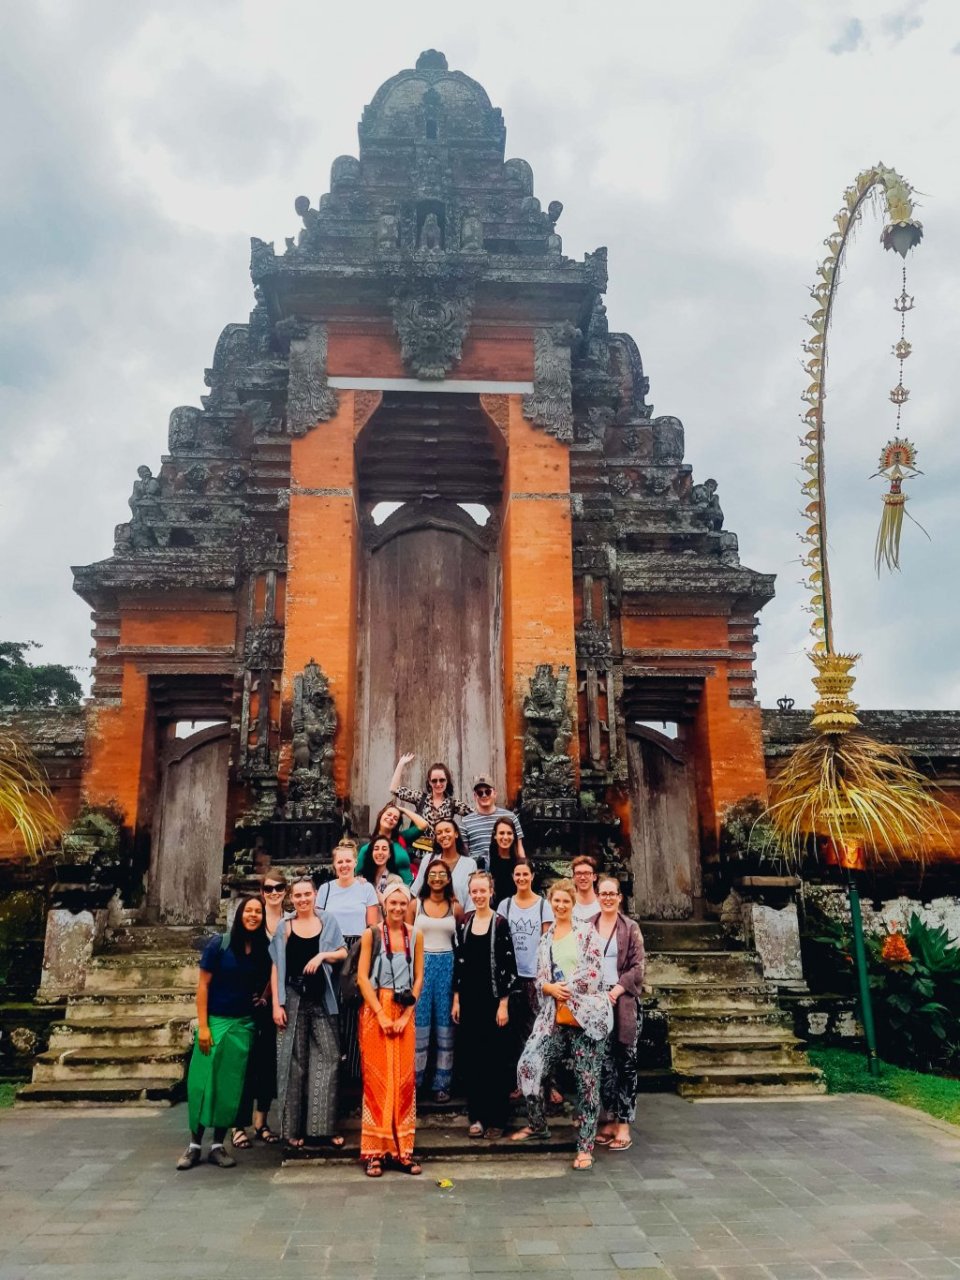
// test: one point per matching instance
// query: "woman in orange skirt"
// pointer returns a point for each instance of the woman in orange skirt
(389, 976)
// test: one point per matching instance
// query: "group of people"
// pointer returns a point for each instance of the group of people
(429, 938)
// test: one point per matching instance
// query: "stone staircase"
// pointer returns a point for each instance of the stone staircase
(728, 1036)
(125, 1038)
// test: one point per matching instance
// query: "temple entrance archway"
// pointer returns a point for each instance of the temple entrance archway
(664, 843)
(429, 661)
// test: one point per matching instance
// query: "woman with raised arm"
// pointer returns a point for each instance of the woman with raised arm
(434, 916)
(390, 822)
(389, 978)
(623, 968)
(436, 800)
(306, 1010)
(354, 904)
(234, 971)
(572, 1025)
(485, 970)
(503, 857)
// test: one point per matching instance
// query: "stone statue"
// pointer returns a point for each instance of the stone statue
(547, 768)
(471, 234)
(707, 504)
(311, 219)
(311, 791)
(554, 210)
(388, 231)
(431, 238)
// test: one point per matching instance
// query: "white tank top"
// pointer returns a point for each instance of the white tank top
(437, 931)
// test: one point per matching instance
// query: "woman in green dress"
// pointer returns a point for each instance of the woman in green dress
(234, 972)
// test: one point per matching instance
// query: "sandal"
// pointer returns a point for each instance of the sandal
(583, 1161)
(556, 1098)
(239, 1140)
(529, 1134)
(441, 1096)
(373, 1167)
(411, 1166)
(265, 1134)
(603, 1140)
(476, 1130)
(620, 1144)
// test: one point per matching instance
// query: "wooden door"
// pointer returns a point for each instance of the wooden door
(665, 850)
(186, 860)
(430, 671)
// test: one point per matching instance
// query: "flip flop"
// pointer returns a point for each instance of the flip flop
(603, 1140)
(578, 1166)
(620, 1144)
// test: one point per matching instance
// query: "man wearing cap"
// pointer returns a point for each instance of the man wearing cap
(477, 827)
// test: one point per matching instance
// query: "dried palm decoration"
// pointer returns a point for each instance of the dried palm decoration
(26, 804)
(863, 797)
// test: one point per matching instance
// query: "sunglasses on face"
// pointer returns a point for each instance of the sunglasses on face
(274, 888)
(434, 781)
(483, 791)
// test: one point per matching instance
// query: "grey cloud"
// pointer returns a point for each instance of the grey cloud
(850, 39)
(898, 25)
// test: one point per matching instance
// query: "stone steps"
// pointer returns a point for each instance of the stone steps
(101, 1062)
(120, 1031)
(728, 1036)
(106, 1093)
(125, 1037)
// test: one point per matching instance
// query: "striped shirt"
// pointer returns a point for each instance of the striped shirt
(477, 831)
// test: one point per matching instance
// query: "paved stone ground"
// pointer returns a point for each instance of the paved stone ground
(830, 1189)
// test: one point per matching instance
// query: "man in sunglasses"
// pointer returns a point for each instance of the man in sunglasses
(477, 827)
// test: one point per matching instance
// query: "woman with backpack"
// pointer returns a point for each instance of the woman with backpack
(389, 978)
(306, 1011)
(234, 972)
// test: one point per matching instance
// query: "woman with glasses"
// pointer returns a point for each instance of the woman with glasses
(261, 1087)
(389, 978)
(485, 970)
(305, 1009)
(623, 968)
(436, 800)
(572, 1025)
(433, 915)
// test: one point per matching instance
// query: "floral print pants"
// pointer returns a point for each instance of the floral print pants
(434, 1020)
(542, 1056)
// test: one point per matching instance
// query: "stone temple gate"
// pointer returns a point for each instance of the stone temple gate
(426, 506)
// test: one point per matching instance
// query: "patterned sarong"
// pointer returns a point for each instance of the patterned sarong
(215, 1079)
(389, 1096)
(308, 1069)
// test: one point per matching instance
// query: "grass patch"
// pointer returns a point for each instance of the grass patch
(846, 1072)
(7, 1094)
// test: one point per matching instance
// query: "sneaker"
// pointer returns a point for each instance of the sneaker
(189, 1158)
(221, 1158)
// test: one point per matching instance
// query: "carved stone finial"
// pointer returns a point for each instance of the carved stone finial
(707, 504)
(432, 60)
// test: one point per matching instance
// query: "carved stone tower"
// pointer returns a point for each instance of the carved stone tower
(425, 506)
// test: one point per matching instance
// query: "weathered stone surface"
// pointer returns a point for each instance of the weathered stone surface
(68, 951)
(776, 937)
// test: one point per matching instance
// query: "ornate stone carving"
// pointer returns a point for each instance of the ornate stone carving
(551, 406)
(593, 640)
(431, 319)
(471, 234)
(309, 399)
(707, 504)
(311, 793)
(263, 646)
(547, 768)
(388, 233)
(184, 430)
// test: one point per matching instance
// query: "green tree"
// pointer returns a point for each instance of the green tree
(24, 685)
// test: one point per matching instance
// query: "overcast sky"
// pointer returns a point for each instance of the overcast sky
(707, 145)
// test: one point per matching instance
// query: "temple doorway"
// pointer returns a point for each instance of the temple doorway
(665, 852)
(429, 662)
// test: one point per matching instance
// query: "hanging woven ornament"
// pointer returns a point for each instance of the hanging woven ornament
(898, 462)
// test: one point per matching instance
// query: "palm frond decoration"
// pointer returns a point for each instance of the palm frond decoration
(27, 808)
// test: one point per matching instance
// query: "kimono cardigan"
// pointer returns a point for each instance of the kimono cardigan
(588, 1000)
(503, 962)
(331, 936)
(631, 966)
